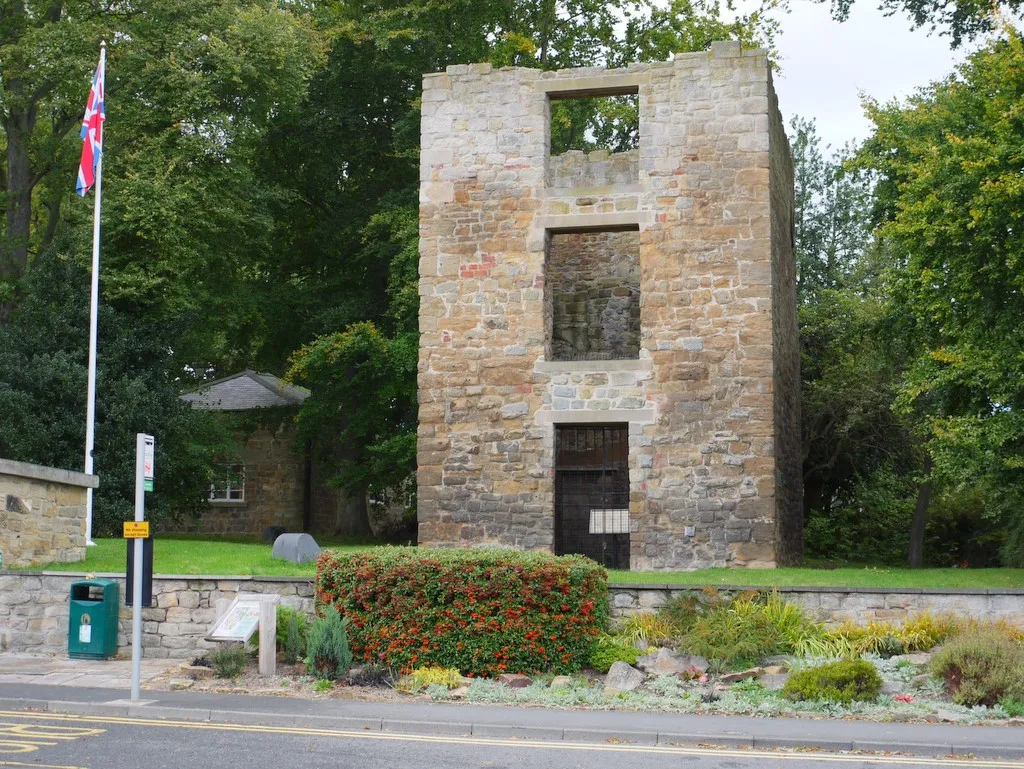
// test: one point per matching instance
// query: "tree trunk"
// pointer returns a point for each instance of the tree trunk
(924, 496)
(14, 252)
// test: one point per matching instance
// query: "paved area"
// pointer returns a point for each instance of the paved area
(537, 724)
(48, 741)
(61, 671)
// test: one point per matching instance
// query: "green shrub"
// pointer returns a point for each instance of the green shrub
(1014, 707)
(422, 678)
(844, 682)
(609, 650)
(295, 644)
(732, 638)
(228, 661)
(286, 616)
(484, 612)
(328, 653)
(981, 668)
(647, 628)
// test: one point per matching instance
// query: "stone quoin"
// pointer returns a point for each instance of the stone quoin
(650, 292)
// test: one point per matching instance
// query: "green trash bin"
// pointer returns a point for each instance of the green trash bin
(92, 626)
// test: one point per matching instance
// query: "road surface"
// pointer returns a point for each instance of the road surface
(50, 741)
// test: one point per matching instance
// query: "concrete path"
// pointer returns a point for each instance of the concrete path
(464, 720)
(61, 671)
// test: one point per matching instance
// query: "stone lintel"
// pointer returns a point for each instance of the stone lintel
(592, 366)
(590, 416)
(617, 220)
(48, 474)
(612, 84)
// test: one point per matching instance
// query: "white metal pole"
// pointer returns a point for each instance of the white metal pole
(94, 303)
(140, 505)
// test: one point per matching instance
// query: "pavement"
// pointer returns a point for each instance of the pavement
(99, 688)
(61, 671)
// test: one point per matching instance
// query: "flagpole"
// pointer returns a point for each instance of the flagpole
(94, 302)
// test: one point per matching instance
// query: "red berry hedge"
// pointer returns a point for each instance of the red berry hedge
(484, 611)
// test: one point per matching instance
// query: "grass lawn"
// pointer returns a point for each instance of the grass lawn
(236, 556)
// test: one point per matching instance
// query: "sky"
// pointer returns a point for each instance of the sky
(826, 64)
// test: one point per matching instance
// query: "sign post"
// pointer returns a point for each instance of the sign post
(138, 530)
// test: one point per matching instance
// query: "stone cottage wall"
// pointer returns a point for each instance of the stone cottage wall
(701, 403)
(274, 477)
(42, 514)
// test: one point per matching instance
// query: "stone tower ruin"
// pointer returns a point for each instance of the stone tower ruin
(608, 342)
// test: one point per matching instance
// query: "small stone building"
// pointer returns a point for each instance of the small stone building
(609, 358)
(272, 480)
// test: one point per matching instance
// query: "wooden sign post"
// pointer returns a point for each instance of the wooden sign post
(240, 620)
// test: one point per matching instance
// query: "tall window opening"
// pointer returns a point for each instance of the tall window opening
(592, 285)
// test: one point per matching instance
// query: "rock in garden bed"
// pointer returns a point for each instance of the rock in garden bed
(622, 678)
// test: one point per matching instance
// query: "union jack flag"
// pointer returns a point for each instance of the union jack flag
(92, 133)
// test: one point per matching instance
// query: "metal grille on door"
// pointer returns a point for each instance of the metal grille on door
(592, 493)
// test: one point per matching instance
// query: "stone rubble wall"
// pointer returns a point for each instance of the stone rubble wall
(789, 492)
(34, 611)
(42, 514)
(34, 607)
(703, 464)
(599, 168)
(595, 295)
(835, 606)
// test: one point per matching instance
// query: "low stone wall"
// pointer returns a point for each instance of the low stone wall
(34, 610)
(34, 607)
(42, 513)
(834, 605)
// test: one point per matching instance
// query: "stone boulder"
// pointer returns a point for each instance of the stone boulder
(297, 548)
(665, 662)
(622, 678)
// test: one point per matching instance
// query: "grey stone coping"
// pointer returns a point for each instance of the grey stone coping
(611, 585)
(49, 474)
(167, 577)
(819, 589)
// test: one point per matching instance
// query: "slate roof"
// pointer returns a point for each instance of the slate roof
(246, 390)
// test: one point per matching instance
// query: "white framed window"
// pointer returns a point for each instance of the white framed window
(229, 483)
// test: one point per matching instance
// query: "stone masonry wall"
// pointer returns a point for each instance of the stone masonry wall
(595, 294)
(599, 168)
(702, 394)
(42, 514)
(785, 348)
(34, 611)
(274, 477)
(858, 605)
(34, 607)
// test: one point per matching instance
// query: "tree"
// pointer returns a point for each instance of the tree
(832, 216)
(43, 388)
(185, 215)
(962, 20)
(950, 204)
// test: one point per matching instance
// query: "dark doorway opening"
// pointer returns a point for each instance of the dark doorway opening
(592, 493)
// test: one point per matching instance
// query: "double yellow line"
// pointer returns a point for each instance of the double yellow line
(666, 750)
